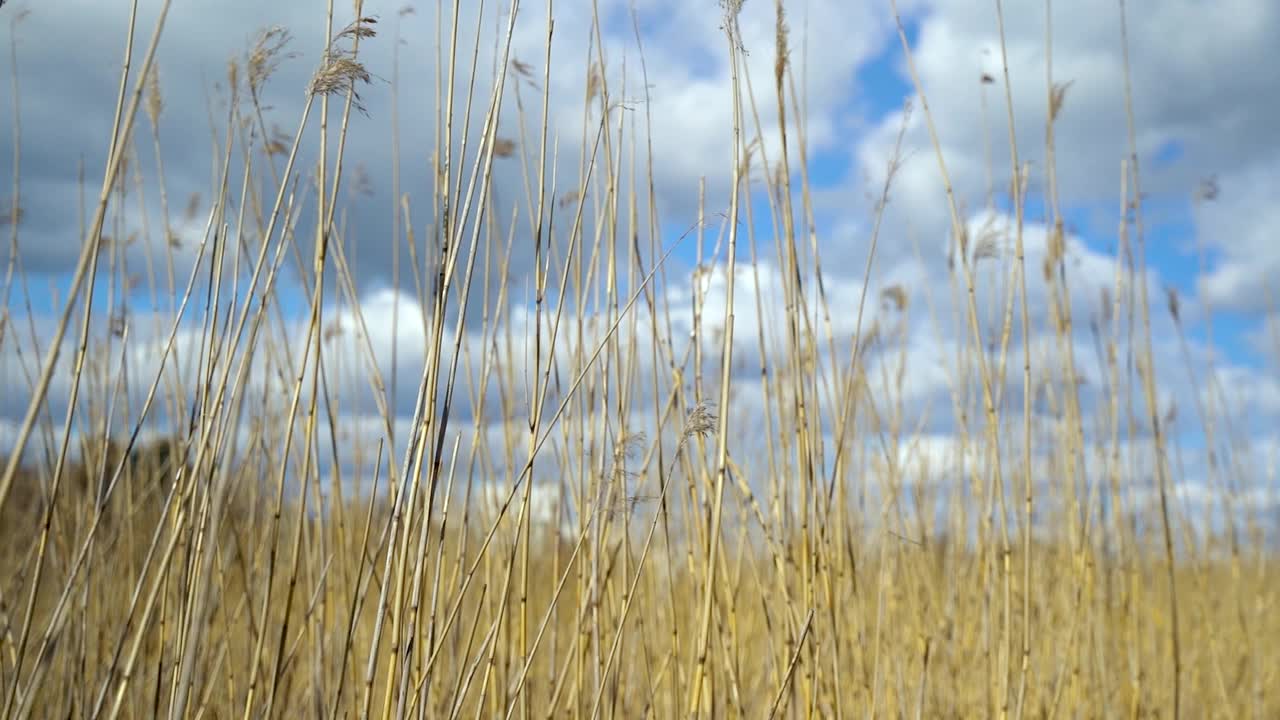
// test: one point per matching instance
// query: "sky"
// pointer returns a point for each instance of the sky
(1204, 101)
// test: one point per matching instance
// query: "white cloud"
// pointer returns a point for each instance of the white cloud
(1239, 229)
(1196, 83)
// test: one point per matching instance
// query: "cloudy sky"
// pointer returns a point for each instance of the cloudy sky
(1205, 98)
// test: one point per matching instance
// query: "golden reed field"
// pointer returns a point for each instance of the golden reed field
(581, 455)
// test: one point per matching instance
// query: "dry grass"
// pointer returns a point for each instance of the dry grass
(701, 557)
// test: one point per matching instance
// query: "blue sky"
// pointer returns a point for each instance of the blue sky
(879, 87)
(857, 86)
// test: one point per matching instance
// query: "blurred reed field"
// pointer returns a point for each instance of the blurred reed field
(590, 509)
